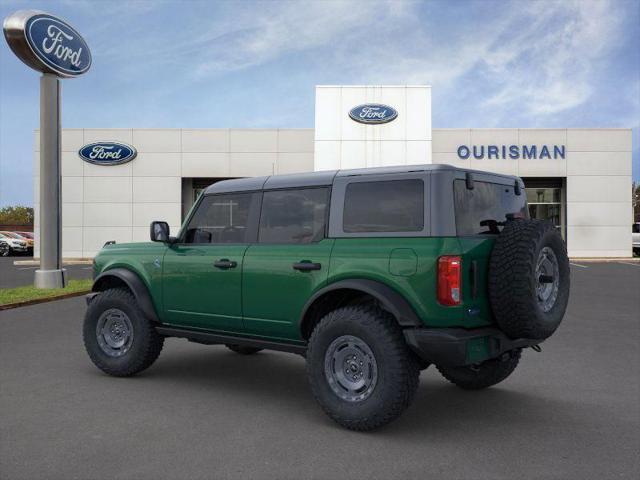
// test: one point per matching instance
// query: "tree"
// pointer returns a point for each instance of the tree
(16, 215)
(636, 201)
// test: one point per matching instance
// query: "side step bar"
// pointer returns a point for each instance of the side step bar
(217, 338)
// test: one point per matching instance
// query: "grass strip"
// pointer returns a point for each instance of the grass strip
(10, 296)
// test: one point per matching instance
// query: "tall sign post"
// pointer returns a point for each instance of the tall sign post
(51, 46)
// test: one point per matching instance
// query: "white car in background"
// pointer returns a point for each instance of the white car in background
(635, 237)
(15, 245)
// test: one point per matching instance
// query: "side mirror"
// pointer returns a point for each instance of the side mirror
(159, 232)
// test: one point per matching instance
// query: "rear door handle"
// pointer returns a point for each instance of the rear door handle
(225, 263)
(306, 266)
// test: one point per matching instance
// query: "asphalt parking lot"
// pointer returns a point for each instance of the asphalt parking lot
(570, 412)
(21, 275)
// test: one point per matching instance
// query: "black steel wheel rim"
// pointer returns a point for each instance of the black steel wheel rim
(350, 368)
(114, 332)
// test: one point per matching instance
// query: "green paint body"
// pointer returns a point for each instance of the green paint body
(264, 296)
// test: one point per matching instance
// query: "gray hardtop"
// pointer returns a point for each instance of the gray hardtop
(326, 178)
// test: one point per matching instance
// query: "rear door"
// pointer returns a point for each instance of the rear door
(202, 273)
(289, 262)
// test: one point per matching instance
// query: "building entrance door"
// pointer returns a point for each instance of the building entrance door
(545, 197)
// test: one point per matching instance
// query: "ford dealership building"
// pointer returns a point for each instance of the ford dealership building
(580, 179)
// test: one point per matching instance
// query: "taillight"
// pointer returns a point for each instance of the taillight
(449, 280)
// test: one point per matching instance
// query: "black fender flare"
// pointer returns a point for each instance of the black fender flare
(137, 287)
(389, 299)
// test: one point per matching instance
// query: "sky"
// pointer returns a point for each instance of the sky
(206, 64)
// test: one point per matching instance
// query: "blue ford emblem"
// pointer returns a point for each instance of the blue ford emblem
(57, 45)
(373, 113)
(107, 153)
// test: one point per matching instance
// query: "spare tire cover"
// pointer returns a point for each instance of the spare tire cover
(529, 279)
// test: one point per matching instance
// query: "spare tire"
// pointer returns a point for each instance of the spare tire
(529, 279)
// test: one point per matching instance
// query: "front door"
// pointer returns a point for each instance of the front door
(289, 262)
(202, 272)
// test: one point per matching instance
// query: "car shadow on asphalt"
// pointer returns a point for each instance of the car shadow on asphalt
(279, 380)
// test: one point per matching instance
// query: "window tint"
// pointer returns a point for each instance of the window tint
(222, 219)
(479, 211)
(293, 216)
(386, 206)
(635, 228)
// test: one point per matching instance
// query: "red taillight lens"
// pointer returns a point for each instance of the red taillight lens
(449, 280)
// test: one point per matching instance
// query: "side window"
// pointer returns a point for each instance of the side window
(223, 219)
(481, 210)
(385, 206)
(293, 216)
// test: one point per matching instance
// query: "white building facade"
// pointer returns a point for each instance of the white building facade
(578, 178)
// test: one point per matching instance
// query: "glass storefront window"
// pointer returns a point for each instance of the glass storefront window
(546, 204)
(544, 195)
(546, 212)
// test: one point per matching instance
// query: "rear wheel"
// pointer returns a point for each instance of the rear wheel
(242, 350)
(5, 250)
(483, 375)
(361, 371)
(119, 339)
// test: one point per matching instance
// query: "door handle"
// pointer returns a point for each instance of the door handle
(306, 266)
(225, 263)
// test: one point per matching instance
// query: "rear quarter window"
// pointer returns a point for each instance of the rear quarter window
(384, 206)
(480, 210)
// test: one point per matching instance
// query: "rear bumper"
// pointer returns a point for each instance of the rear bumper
(458, 346)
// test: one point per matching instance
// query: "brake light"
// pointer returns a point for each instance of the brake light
(449, 280)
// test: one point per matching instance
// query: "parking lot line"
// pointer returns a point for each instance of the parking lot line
(578, 265)
(629, 263)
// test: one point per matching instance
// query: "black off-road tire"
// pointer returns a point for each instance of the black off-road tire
(242, 349)
(486, 374)
(146, 343)
(397, 368)
(512, 279)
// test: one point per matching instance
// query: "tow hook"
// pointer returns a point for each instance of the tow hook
(536, 348)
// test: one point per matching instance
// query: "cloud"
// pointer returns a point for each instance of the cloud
(549, 65)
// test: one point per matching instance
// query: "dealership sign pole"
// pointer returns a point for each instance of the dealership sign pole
(51, 46)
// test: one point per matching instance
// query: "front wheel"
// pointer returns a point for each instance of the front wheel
(119, 339)
(486, 374)
(361, 372)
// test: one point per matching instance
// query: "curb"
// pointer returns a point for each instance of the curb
(605, 260)
(36, 262)
(26, 303)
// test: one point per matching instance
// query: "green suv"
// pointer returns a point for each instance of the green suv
(371, 274)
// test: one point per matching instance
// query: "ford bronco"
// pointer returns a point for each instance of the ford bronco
(371, 275)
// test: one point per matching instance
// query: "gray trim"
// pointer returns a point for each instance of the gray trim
(237, 185)
(441, 203)
(295, 180)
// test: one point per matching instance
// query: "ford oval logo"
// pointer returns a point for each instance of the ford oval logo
(373, 113)
(107, 153)
(58, 45)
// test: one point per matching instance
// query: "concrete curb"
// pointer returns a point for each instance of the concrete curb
(36, 263)
(26, 303)
(606, 260)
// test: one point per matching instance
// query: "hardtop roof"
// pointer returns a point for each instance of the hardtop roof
(325, 178)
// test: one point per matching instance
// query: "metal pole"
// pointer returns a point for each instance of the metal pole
(51, 274)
